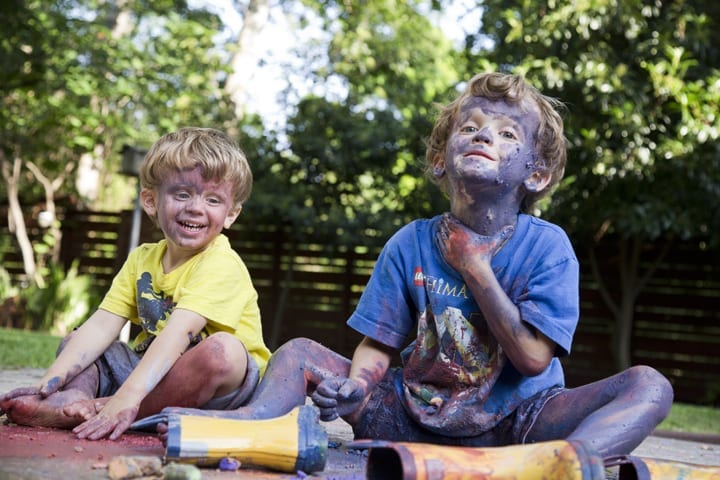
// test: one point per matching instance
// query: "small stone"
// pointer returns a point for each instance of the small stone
(181, 471)
(125, 468)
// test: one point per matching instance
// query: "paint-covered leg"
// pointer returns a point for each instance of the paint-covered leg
(215, 367)
(294, 370)
(613, 415)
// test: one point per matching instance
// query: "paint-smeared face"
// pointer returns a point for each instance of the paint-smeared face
(492, 144)
(192, 211)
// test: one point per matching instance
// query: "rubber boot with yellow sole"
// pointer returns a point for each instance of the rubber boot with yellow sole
(555, 460)
(295, 441)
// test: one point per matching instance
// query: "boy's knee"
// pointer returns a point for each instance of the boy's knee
(655, 385)
(224, 352)
(295, 346)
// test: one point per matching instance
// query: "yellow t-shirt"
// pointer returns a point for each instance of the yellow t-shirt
(214, 283)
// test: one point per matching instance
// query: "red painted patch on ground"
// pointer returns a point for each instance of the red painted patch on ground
(34, 442)
(36, 453)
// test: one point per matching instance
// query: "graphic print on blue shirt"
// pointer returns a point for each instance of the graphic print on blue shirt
(454, 362)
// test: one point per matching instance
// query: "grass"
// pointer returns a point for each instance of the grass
(684, 417)
(21, 348)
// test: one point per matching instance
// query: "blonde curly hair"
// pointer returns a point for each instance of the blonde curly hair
(219, 157)
(550, 144)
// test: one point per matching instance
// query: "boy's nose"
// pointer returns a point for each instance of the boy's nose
(483, 135)
(193, 203)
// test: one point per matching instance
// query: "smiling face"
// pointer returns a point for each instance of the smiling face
(190, 210)
(491, 146)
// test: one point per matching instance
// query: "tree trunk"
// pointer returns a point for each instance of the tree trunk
(50, 187)
(16, 220)
(632, 280)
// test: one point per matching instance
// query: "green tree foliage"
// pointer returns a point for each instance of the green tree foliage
(80, 79)
(642, 84)
(353, 166)
(86, 77)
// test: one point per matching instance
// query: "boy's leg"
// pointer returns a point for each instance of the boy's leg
(213, 368)
(613, 415)
(292, 373)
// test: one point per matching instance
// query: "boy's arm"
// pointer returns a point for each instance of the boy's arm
(122, 408)
(469, 253)
(345, 396)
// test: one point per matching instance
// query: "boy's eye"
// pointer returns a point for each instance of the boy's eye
(182, 195)
(468, 129)
(510, 135)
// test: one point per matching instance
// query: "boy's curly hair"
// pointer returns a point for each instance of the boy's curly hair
(550, 144)
(219, 157)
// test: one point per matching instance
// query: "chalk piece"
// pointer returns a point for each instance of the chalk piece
(179, 471)
(125, 468)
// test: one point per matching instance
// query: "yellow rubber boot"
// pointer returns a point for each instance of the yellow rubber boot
(637, 468)
(556, 460)
(295, 441)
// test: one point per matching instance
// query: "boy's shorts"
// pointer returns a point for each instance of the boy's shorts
(119, 360)
(384, 418)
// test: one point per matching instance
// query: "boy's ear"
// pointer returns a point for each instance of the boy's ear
(438, 166)
(232, 216)
(537, 181)
(147, 200)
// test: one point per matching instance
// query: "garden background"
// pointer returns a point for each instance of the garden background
(340, 168)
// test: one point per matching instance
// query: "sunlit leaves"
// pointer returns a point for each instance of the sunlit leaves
(640, 81)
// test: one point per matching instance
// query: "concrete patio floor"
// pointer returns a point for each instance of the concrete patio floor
(41, 453)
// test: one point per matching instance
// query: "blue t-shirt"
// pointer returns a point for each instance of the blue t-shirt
(456, 379)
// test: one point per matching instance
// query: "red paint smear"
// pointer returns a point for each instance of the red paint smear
(40, 442)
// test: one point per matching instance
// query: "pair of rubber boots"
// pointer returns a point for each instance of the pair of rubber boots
(297, 442)
(552, 460)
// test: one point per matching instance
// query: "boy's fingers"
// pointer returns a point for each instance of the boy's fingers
(323, 401)
(119, 429)
(351, 391)
(52, 386)
(329, 387)
(328, 414)
(95, 428)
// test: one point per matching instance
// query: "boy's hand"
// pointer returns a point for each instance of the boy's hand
(111, 418)
(461, 247)
(336, 397)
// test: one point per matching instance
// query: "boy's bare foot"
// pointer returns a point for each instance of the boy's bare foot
(35, 411)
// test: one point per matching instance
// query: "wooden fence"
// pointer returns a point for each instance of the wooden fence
(310, 289)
